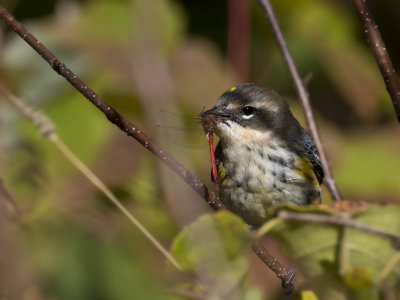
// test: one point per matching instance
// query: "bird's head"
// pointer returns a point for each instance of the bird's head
(248, 112)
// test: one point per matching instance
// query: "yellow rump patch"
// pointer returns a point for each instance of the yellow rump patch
(221, 172)
(305, 169)
(232, 89)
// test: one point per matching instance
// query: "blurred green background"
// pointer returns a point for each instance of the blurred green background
(161, 62)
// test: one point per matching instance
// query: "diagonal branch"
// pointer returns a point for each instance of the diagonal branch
(288, 276)
(381, 55)
(302, 93)
(46, 128)
(116, 118)
(112, 115)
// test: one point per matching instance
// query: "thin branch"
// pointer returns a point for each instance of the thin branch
(339, 221)
(267, 226)
(112, 115)
(343, 251)
(106, 191)
(133, 131)
(303, 95)
(46, 127)
(288, 276)
(382, 57)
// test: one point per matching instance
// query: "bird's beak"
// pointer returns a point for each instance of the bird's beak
(209, 118)
(217, 111)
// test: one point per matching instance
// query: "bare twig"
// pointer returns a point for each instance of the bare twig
(303, 95)
(46, 127)
(340, 221)
(288, 276)
(133, 131)
(381, 54)
(111, 114)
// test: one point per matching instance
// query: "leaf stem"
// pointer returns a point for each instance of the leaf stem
(342, 257)
(394, 260)
(266, 227)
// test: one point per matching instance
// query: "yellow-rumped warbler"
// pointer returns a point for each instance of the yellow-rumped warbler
(264, 157)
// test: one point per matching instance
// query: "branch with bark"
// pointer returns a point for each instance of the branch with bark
(302, 94)
(380, 52)
(287, 276)
(112, 115)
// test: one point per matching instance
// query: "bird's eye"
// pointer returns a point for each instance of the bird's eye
(248, 111)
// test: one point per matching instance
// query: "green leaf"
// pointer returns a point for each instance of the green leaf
(347, 260)
(216, 247)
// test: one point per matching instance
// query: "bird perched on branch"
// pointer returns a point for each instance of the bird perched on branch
(264, 157)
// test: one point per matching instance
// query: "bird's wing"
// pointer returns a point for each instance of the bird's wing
(312, 154)
(218, 153)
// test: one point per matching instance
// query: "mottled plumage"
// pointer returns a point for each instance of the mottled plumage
(264, 157)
